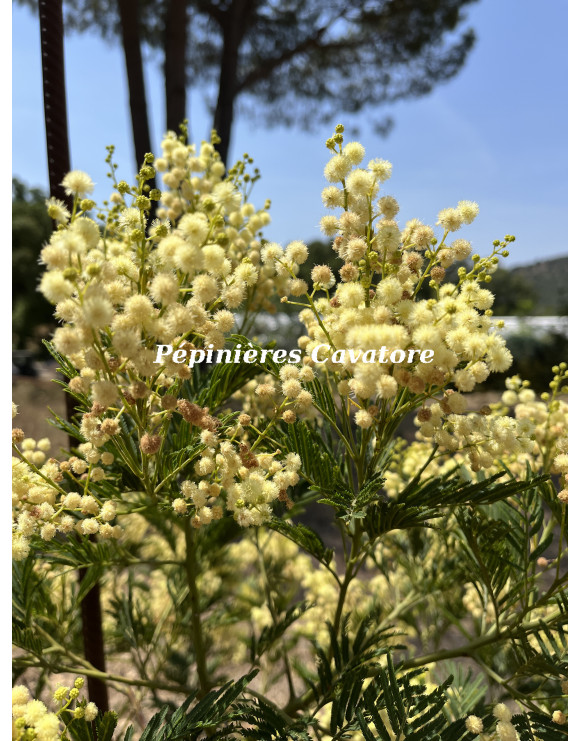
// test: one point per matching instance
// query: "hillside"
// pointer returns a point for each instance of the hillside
(548, 280)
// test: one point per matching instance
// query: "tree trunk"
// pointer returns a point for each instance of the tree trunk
(175, 50)
(129, 17)
(233, 31)
(57, 148)
(93, 639)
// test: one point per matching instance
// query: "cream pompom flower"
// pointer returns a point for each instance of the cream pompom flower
(77, 183)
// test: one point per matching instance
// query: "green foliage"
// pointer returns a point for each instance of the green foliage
(420, 502)
(106, 724)
(79, 730)
(217, 707)
(32, 315)
(532, 726)
(317, 457)
(466, 692)
(412, 712)
(102, 729)
(533, 353)
(305, 537)
(394, 705)
(271, 634)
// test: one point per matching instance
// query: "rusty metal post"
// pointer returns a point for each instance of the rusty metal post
(58, 156)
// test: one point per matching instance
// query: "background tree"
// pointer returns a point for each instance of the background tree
(176, 22)
(129, 17)
(304, 61)
(133, 22)
(32, 315)
(515, 296)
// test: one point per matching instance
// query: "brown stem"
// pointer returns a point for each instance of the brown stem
(93, 641)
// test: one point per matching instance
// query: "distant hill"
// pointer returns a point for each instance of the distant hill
(548, 280)
(540, 289)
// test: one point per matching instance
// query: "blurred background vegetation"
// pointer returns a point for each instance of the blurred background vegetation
(32, 315)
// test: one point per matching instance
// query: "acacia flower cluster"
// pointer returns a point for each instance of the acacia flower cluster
(251, 482)
(123, 284)
(545, 417)
(123, 287)
(42, 503)
(31, 719)
(448, 341)
(548, 417)
(285, 396)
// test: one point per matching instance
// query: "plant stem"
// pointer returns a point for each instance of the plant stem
(467, 650)
(274, 613)
(93, 640)
(470, 648)
(196, 629)
(83, 669)
(348, 575)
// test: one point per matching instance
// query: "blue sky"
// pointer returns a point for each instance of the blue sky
(496, 134)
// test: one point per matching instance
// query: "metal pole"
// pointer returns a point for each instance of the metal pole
(57, 149)
(53, 82)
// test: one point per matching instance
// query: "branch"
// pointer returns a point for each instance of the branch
(468, 650)
(264, 69)
(212, 10)
(90, 671)
(266, 66)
